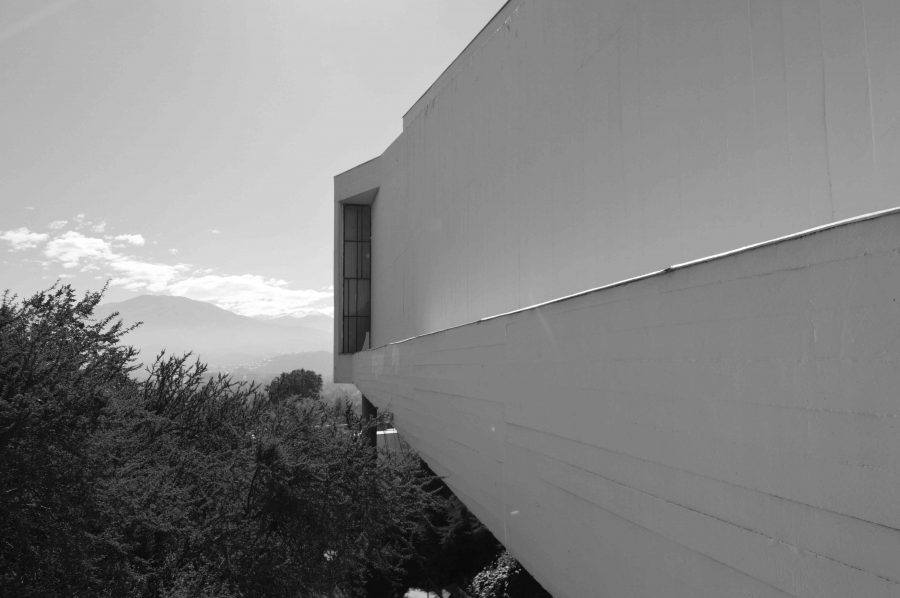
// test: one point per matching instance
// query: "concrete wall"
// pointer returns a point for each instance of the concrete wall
(579, 142)
(729, 428)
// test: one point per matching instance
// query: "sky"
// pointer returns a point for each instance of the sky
(188, 147)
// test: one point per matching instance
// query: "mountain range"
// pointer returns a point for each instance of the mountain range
(225, 340)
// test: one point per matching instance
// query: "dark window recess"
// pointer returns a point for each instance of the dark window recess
(356, 303)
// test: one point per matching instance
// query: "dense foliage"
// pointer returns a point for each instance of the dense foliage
(452, 548)
(58, 372)
(456, 552)
(175, 484)
(297, 383)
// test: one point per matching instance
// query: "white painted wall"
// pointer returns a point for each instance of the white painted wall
(731, 428)
(579, 142)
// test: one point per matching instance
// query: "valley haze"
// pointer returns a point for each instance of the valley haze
(250, 348)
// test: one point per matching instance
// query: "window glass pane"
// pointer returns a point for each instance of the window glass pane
(362, 297)
(351, 259)
(365, 260)
(351, 338)
(345, 336)
(364, 327)
(366, 223)
(351, 223)
(351, 286)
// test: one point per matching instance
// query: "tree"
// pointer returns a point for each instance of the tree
(58, 371)
(214, 486)
(299, 383)
(178, 484)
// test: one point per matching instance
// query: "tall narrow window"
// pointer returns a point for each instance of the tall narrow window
(357, 299)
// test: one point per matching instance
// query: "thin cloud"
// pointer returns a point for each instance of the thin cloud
(22, 238)
(133, 239)
(246, 294)
(215, 231)
(57, 224)
(72, 249)
(137, 275)
(251, 294)
(82, 222)
(75, 250)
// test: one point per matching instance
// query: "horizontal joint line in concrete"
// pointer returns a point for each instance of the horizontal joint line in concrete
(695, 473)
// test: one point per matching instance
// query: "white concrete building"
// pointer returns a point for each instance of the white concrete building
(723, 428)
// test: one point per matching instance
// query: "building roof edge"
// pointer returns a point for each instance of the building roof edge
(453, 62)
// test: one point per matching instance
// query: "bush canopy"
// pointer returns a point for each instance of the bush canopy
(179, 483)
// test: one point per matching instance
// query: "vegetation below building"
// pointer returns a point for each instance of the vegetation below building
(177, 484)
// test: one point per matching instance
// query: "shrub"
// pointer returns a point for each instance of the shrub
(298, 383)
(58, 371)
(179, 484)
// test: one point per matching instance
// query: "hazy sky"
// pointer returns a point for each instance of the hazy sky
(188, 147)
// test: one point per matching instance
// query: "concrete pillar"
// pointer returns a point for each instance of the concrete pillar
(369, 412)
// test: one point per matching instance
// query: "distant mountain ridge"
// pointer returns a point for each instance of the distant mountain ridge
(223, 339)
